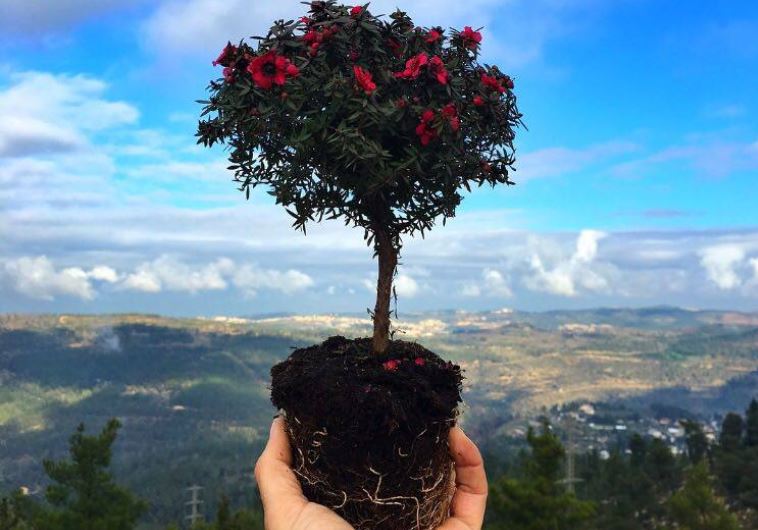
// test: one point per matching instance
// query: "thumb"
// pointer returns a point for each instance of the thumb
(279, 488)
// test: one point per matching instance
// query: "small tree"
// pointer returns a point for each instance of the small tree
(374, 121)
(696, 507)
(83, 494)
(751, 424)
(697, 442)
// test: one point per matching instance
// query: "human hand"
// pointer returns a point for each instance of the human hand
(286, 508)
(284, 505)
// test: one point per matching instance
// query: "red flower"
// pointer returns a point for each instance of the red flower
(478, 100)
(401, 103)
(451, 113)
(471, 38)
(354, 55)
(492, 82)
(229, 74)
(313, 36)
(438, 70)
(413, 66)
(226, 56)
(423, 130)
(391, 365)
(508, 82)
(364, 79)
(433, 36)
(271, 69)
(357, 10)
(305, 20)
(420, 361)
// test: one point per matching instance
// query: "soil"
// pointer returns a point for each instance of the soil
(370, 433)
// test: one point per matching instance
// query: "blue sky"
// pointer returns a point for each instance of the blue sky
(636, 179)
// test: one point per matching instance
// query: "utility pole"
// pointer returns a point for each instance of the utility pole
(570, 427)
(194, 503)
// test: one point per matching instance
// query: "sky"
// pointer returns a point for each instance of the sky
(637, 179)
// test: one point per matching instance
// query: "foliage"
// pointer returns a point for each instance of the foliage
(736, 460)
(697, 443)
(15, 512)
(696, 507)
(83, 495)
(536, 500)
(226, 520)
(297, 116)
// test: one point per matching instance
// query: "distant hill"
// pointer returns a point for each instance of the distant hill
(193, 396)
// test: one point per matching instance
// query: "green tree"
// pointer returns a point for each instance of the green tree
(83, 495)
(732, 430)
(370, 120)
(696, 507)
(661, 466)
(538, 501)
(751, 424)
(14, 512)
(697, 443)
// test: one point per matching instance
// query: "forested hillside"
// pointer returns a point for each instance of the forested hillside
(192, 396)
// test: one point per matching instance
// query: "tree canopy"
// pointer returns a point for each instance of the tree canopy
(344, 114)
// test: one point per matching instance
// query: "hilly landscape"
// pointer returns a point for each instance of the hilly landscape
(193, 398)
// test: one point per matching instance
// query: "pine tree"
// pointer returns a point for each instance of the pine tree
(732, 429)
(697, 443)
(538, 501)
(751, 424)
(83, 495)
(13, 516)
(696, 507)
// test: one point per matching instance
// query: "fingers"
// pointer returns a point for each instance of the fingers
(470, 499)
(280, 491)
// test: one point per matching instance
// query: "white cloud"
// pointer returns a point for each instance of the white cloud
(556, 161)
(103, 274)
(471, 290)
(20, 136)
(203, 26)
(564, 277)
(251, 279)
(142, 280)
(493, 283)
(405, 286)
(754, 265)
(496, 284)
(65, 108)
(721, 263)
(703, 156)
(38, 278)
(173, 171)
(170, 274)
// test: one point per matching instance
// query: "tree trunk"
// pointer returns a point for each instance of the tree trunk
(387, 256)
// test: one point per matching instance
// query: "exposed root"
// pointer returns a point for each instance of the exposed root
(363, 495)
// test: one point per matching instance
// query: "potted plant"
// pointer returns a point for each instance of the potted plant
(374, 121)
